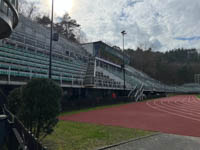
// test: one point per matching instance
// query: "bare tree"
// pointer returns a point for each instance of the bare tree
(28, 9)
(32, 9)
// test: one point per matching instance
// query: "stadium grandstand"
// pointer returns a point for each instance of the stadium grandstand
(13, 133)
(25, 55)
(90, 73)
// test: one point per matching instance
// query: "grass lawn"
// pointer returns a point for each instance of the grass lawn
(69, 135)
(198, 96)
(92, 108)
(102, 107)
(82, 136)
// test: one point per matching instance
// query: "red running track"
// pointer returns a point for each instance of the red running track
(175, 115)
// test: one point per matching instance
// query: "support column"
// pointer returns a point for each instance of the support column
(9, 75)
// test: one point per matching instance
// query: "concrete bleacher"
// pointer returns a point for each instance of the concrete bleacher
(36, 35)
(25, 55)
(136, 78)
(133, 77)
(103, 78)
(18, 63)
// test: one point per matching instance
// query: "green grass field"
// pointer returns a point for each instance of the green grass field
(198, 96)
(92, 108)
(82, 136)
(69, 135)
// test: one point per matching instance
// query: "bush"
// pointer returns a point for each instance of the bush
(37, 105)
(15, 100)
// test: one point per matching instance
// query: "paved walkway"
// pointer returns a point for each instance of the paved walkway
(161, 142)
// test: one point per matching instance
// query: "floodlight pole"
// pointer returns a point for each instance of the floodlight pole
(51, 41)
(123, 34)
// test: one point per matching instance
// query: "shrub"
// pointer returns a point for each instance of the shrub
(15, 101)
(37, 105)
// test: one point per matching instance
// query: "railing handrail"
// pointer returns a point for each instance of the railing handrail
(15, 12)
(130, 93)
(24, 138)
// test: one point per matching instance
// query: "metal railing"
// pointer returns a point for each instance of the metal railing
(10, 9)
(8, 17)
(130, 95)
(18, 136)
(139, 93)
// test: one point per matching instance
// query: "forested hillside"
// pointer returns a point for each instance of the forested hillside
(173, 67)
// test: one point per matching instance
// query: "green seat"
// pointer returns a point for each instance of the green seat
(3, 72)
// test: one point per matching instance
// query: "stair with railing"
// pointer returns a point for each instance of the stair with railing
(132, 92)
(136, 93)
(90, 73)
(139, 93)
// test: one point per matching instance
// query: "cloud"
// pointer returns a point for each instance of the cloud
(188, 38)
(149, 23)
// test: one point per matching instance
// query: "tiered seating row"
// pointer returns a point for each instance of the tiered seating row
(22, 63)
(40, 58)
(102, 80)
(131, 78)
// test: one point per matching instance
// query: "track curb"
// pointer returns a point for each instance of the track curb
(128, 141)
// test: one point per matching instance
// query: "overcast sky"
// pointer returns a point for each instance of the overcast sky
(160, 24)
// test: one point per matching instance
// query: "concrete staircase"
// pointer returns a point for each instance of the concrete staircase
(136, 93)
(90, 74)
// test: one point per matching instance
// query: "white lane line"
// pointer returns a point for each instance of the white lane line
(193, 108)
(174, 109)
(185, 108)
(178, 109)
(184, 102)
(192, 104)
(172, 113)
